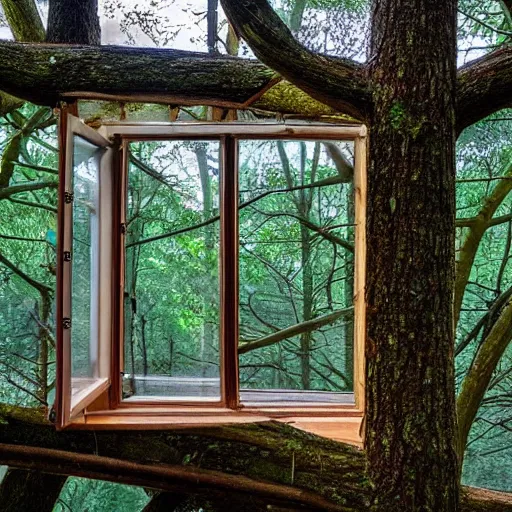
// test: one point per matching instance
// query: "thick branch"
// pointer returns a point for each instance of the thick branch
(267, 453)
(164, 477)
(46, 73)
(260, 458)
(342, 84)
(295, 330)
(484, 86)
(24, 20)
(479, 376)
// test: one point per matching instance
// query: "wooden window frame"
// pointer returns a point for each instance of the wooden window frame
(109, 410)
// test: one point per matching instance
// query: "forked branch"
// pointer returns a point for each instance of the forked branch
(339, 83)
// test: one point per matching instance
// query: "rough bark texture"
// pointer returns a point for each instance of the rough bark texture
(45, 73)
(29, 491)
(254, 468)
(266, 453)
(410, 423)
(484, 86)
(73, 22)
(24, 20)
(341, 83)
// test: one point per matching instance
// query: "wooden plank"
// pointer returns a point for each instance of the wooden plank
(360, 151)
(344, 430)
(313, 131)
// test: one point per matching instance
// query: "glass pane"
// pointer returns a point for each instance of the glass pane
(296, 216)
(171, 344)
(85, 267)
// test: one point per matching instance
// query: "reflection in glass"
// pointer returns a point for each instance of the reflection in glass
(171, 291)
(85, 266)
(296, 218)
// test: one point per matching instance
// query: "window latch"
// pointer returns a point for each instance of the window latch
(66, 323)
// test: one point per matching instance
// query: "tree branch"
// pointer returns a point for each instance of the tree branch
(40, 287)
(479, 375)
(6, 193)
(320, 183)
(26, 25)
(484, 86)
(186, 479)
(342, 85)
(47, 73)
(295, 330)
(469, 247)
(24, 20)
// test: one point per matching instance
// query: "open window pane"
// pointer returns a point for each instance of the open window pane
(296, 224)
(85, 369)
(171, 286)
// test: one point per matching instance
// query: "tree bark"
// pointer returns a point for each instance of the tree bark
(244, 466)
(484, 86)
(47, 73)
(301, 467)
(410, 422)
(24, 20)
(273, 43)
(74, 22)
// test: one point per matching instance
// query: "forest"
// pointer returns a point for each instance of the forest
(296, 258)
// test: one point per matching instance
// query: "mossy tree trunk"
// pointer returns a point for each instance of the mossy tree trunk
(410, 436)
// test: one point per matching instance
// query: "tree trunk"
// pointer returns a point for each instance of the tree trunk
(410, 435)
(44, 310)
(73, 22)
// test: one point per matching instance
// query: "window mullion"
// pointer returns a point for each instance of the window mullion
(229, 271)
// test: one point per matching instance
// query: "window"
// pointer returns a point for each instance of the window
(210, 270)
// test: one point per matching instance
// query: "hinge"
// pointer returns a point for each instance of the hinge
(66, 323)
(68, 197)
(123, 228)
(67, 256)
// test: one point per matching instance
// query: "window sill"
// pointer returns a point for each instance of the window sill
(338, 424)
